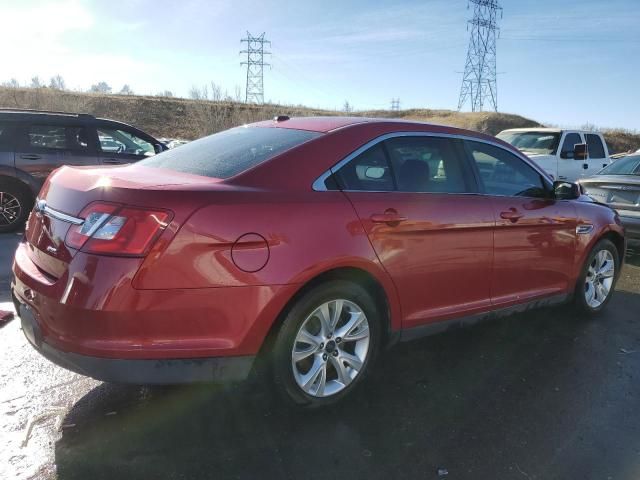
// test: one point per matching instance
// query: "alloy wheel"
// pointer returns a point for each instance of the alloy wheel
(599, 281)
(10, 208)
(330, 348)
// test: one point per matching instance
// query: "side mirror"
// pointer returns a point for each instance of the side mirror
(566, 190)
(580, 151)
(158, 148)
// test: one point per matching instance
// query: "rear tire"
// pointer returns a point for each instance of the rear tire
(598, 278)
(15, 204)
(317, 363)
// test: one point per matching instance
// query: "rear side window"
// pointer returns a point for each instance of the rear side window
(228, 153)
(58, 138)
(570, 141)
(596, 150)
(426, 164)
(369, 172)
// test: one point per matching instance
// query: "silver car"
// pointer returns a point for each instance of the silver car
(618, 185)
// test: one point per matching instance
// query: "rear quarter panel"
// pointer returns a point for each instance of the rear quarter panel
(305, 234)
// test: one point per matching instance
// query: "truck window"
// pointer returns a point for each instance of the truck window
(570, 141)
(596, 150)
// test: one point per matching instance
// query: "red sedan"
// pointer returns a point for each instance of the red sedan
(308, 244)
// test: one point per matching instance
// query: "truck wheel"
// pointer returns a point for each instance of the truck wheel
(15, 205)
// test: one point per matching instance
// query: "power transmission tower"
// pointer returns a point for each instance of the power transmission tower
(255, 67)
(479, 83)
(395, 104)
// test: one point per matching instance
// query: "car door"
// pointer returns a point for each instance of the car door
(534, 238)
(570, 169)
(597, 154)
(119, 145)
(432, 234)
(44, 147)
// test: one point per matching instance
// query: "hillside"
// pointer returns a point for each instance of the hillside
(190, 119)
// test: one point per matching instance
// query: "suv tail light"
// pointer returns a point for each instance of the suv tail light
(114, 229)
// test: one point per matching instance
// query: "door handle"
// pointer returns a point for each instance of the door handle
(30, 156)
(512, 214)
(389, 217)
(111, 161)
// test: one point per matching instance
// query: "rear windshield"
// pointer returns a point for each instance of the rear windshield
(228, 153)
(623, 166)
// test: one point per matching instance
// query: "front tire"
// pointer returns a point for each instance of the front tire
(327, 344)
(598, 278)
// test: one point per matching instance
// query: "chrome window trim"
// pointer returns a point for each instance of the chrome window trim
(319, 185)
(44, 209)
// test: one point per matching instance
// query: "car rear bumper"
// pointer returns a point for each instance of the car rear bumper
(93, 321)
(141, 372)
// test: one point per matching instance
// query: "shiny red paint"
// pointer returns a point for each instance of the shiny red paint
(237, 251)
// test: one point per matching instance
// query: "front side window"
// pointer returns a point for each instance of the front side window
(503, 173)
(116, 141)
(426, 164)
(570, 141)
(369, 171)
(594, 144)
(57, 137)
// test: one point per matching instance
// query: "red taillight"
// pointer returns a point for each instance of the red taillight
(113, 229)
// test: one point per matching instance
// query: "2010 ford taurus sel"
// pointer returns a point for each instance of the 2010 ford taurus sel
(310, 243)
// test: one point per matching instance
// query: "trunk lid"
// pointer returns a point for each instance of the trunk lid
(621, 192)
(69, 190)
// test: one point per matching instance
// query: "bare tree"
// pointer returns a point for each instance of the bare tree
(13, 83)
(165, 93)
(36, 83)
(100, 87)
(126, 90)
(197, 93)
(347, 108)
(57, 83)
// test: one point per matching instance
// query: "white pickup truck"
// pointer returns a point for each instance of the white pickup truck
(565, 154)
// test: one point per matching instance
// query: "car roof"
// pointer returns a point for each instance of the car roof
(313, 124)
(331, 124)
(27, 115)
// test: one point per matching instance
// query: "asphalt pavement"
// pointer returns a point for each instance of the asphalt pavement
(542, 395)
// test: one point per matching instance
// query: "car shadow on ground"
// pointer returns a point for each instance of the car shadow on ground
(543, 394)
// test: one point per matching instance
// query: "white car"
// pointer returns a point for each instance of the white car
(564, 154)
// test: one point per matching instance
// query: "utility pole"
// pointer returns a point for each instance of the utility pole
(254, 92)
(479, 84)
(395, 104)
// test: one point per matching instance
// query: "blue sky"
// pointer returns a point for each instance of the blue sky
(563, 62)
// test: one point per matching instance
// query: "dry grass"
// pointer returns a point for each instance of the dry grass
(190, 119)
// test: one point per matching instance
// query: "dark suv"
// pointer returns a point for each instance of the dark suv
(34, 143)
